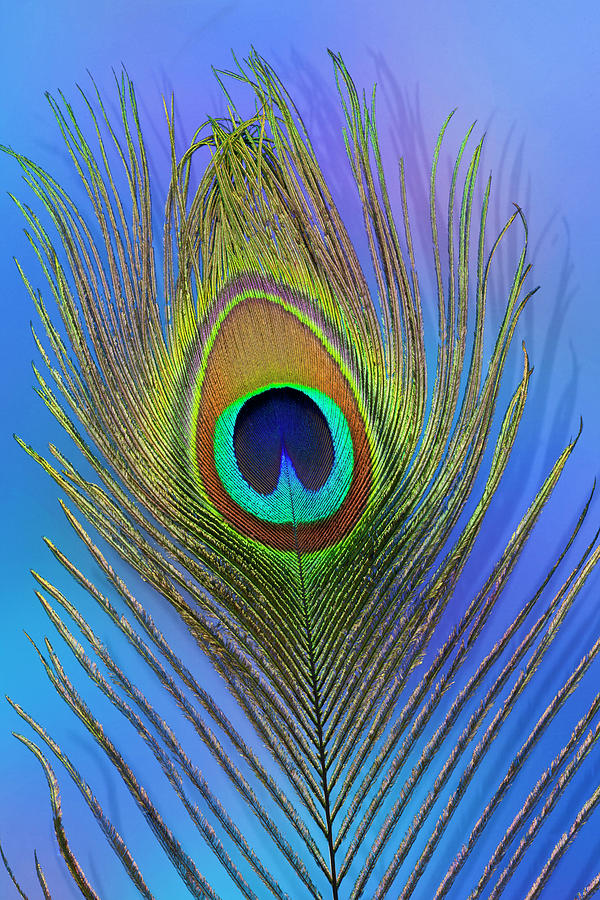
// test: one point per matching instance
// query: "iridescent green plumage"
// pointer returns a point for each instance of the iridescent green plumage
(313, 581)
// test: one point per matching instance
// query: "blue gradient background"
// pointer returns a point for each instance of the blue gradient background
(529, 74)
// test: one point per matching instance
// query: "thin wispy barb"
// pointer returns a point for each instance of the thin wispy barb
(265, 458)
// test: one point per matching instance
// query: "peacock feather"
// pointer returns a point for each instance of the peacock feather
(260, 444)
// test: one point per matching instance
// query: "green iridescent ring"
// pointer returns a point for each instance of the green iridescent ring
(290, 501)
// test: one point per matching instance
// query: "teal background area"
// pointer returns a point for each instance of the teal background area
(528, 72)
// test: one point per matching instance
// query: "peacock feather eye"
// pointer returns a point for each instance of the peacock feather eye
(279, 442)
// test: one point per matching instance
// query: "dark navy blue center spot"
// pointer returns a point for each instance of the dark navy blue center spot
(278, 423)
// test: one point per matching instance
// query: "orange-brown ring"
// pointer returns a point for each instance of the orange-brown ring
(261, 343)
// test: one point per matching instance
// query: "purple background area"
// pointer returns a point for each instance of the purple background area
(529, 74)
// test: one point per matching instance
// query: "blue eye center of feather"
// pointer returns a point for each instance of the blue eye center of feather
(277, 426)
(284, 453)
